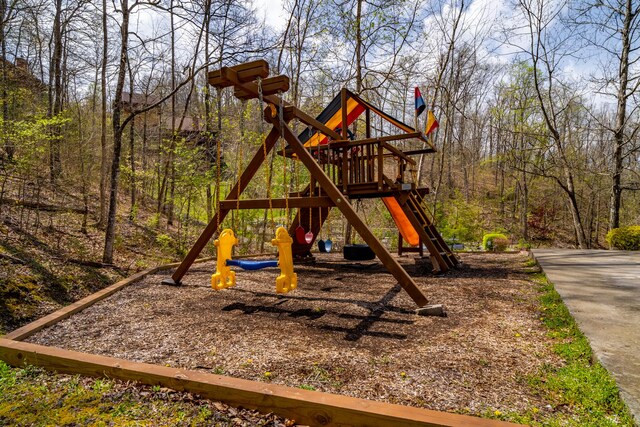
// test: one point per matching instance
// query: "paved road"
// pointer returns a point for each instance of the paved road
(602, 291)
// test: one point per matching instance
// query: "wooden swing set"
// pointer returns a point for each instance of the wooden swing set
(342, 169)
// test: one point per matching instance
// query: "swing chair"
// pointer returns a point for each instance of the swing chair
(302, 237)
(224, 277)
(324, 246)
(358, 251)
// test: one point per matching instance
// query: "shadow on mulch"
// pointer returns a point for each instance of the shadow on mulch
(376, 310)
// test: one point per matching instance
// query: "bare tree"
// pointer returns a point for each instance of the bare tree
(546, 49)
(613, 27)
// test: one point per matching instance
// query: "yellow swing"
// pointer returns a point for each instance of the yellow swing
(224, 277)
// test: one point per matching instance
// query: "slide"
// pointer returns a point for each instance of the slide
(409, 234)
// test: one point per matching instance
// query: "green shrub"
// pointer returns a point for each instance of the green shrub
(165, 241)
(497, 242)
(625, 238)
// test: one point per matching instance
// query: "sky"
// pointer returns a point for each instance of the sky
(273, 11)
(481, 18)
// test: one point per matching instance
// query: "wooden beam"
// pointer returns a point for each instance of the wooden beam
(246, 72)
(303, 406)
(31, 328)
(251, 87)
(386, 138)
(398, 152)
(313, 122)
(421, 151)
(292, 202)
(347, 210)
(439, 264)
(219, 216)
(270, 86)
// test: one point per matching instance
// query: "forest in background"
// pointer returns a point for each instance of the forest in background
(106, 112)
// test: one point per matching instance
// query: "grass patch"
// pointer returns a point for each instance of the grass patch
(581, 392)
(34, 397)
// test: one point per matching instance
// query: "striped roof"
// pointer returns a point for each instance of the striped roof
(331, 116)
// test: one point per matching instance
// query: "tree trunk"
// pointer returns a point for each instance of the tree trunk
(132, 156)
(107, 256)
(55, 167)
(103, 121)
(621, 117)
(8, 146)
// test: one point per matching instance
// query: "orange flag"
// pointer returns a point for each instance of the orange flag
(432, 123)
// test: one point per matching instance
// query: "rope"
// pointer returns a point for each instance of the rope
(239, 164)
(284, 158)
(264, 150)
(218, 154)
(319, 194)
(296, 174)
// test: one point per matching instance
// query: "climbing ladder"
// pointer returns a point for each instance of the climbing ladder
(412, 204)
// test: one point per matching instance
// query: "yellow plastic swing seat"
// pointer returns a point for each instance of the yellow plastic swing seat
(224, 277)
(287, 280)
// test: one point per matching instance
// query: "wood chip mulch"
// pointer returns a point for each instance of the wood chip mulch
(348, 329)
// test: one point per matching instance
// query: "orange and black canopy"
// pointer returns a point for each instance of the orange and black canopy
(331, 116)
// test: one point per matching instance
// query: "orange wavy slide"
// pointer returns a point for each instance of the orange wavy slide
(409, 234)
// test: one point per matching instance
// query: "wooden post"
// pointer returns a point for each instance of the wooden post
(380, 167)
(343, 103)
(367, 116)
(352, 217)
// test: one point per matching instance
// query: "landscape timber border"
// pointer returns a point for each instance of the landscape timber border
(313, 408)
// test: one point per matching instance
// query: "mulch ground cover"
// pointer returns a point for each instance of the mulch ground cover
(348, 329)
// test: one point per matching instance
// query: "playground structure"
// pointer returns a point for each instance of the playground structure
(342, 169)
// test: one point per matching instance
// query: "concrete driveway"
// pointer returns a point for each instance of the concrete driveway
(602, 291)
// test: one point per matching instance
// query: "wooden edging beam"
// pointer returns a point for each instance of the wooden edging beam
(31, 328)
(303, 406)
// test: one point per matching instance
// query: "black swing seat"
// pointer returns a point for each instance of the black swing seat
(358, 252)
(247, 264)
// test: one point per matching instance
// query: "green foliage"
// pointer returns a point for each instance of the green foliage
(307, 387)
(523, 244)
(496, 242)
(462, 221)
(625, 238)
